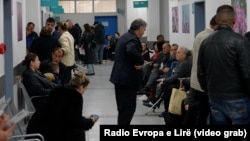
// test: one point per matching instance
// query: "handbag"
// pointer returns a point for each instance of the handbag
(175, 101)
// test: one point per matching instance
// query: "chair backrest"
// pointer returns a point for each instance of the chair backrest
(27, 137)
(28, 103)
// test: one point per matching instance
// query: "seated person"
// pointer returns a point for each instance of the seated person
(165, 71)
(53, 73)
(173, 119)
(34, 81)
(182, 70)
(56, 57)
(62, 118)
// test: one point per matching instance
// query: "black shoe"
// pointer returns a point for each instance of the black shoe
(148, 104)
(163, 114)
(146, 101)
(144, 90)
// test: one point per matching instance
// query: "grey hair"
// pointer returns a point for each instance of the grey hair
(137, 23)
(185, 50)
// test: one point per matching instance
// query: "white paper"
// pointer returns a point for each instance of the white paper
(82, 51)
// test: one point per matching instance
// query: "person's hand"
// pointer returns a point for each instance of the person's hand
(160, 84)
(5, 133)
(93, 118)
(138, 67)
(186, 107)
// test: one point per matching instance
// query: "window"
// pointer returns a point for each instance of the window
(84, 6)
(88, 6)
(104, 6)
(68, 5)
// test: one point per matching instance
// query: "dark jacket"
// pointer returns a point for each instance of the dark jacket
(56, 35)
(43, 47)
(99, 34)
(223, 64)
(37, 84)
(87, 43)
(75, 32)
(182, 69)
(62, 119)
(44, 68)
(128, 54)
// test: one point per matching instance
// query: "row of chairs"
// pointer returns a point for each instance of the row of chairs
(7, 106)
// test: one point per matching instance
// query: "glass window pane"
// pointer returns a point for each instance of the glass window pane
(84, 6)
(101, 6)
(68, 6)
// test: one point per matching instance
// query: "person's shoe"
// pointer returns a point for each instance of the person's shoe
(143, 97)
(163, 114)
(146, 100)
(144, 90)
(148, 104)
(90, 74)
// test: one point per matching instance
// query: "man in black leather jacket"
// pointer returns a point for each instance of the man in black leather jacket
(223, 71)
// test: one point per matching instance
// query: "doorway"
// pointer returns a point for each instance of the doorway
(199, 16)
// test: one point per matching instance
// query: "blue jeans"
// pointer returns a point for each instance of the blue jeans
(99, 52)
(230, 111)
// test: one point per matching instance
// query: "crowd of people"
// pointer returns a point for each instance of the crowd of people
(214, 74)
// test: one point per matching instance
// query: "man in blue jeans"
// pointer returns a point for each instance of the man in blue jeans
(99, 40)
(224, 72)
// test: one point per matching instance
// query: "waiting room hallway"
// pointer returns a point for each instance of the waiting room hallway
(99, 98)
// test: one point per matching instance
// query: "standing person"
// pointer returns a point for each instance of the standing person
(44, 44)
(223, 71)
(50, 24)
(67, 45)
(31, 35)
(113, 48)
(75, 32)
(99, 40)
(196, 91)
(62, 118)
(127, 71)
(5, 134)
(88, 45)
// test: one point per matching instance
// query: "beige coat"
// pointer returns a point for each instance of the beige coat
(67, 43)
(197, 42)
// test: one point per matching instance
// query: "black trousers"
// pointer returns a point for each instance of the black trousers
(126, 103)
(198, 111)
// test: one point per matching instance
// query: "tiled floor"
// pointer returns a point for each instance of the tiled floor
(100, 99)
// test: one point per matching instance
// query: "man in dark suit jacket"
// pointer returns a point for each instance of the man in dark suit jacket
(127, 72)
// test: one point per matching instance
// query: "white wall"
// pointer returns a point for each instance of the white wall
(33, 13)
(182, 39)
(19, 47)
(1, 38)
(134, 13)
(153, 28)
(164, 18)
(210, 8)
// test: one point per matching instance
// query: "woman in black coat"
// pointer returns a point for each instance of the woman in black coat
(34, 81)
(88, 45)
(61, 119)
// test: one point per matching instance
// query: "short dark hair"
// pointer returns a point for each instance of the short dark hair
(137, 23)
(212, 21)
(225, 14)
(51, 20)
